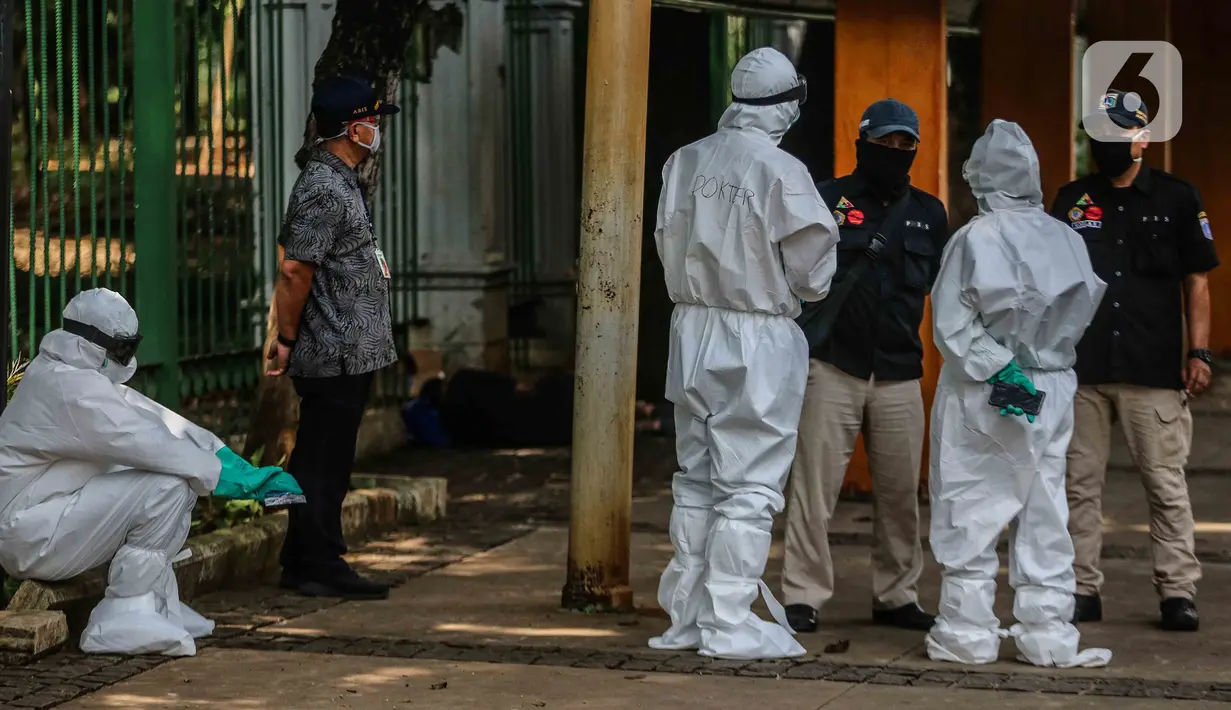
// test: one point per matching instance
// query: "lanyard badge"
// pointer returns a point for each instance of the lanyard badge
(380, 255)
(384, 265)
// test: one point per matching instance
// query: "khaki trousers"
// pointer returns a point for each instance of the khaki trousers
(1159, 427)
(837, 407)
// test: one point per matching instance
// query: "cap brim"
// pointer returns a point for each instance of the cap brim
(1116, 119)
(388, 110)
(882, 131)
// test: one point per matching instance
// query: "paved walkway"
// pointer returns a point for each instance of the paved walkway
(486, 632)
(475, 623)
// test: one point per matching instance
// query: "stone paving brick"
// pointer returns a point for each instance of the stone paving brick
(636, 664)
(854, 674)
(525, 656)
(684, 664)
(938, 679)
(982, 681)
(767, 669)
(1111, 687)
(1027, 683)
(602, 660)
(813, 670)
(1070, 686)
(1184, 692)
(892, 678)
(724, 667)
(1150, 689)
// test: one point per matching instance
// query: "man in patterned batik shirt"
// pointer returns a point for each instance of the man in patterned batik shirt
(334, 332)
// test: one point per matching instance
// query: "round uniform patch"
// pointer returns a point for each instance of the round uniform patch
(839, 218)
(1093, 212)
(1075, 214)
(854, 217)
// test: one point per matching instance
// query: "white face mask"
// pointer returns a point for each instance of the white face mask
(375, 138)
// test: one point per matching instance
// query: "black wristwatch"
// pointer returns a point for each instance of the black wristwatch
(286, 341)
(1203, 354)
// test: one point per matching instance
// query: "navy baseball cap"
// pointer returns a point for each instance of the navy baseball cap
(889, 116)
(348, 98)
(1125, 109)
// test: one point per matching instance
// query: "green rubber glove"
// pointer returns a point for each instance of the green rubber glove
(240, 480)
(1013, 375)
(279, 483)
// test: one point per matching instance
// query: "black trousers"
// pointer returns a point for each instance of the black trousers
(330, 411)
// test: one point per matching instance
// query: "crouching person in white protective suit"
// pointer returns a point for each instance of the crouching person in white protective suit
(1015, 293)
(743, 236)
(93, 472)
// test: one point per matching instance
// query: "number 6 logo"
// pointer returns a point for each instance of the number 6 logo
(1151, 70)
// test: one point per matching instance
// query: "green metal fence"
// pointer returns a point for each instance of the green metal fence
(143, 130)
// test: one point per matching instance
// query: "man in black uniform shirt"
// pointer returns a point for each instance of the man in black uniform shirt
(865, 378)
(1150, 240)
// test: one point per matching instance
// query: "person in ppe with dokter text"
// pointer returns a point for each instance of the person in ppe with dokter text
(1015, 293)
(744, 236)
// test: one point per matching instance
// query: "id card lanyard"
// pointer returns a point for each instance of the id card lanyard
(380, 255)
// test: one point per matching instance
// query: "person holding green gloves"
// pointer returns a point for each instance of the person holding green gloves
(1015, 293)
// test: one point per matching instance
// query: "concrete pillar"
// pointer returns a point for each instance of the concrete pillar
(894, 48)
(1196, 154)
(1038, 93)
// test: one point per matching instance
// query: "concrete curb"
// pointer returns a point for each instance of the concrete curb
(237, 556)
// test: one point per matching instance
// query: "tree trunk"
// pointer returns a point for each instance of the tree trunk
(370, 39)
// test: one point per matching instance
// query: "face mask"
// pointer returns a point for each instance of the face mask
(375, 138)
(886, 169)
(1113, 158)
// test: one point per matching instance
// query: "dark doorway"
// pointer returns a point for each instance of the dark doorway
(678, 114)
(811, 139)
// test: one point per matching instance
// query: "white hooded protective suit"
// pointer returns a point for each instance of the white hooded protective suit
(93, 472)
(1016, 285)
(743, 236)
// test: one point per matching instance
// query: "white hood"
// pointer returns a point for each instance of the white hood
(1014, 283)
(762, 72)
(109, 312)
(1003, 169)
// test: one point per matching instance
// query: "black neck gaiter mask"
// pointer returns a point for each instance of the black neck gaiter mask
(1112, 158)
(887, 170)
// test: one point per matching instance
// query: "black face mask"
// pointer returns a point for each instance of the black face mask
(886, 169)
(1113, 158)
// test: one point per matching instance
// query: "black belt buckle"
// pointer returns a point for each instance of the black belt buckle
(875, 246)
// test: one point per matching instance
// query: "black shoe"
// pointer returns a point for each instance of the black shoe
(1087, 608)
(909, 616)
(1179, 614)
(345, 586)
(801, 617)
(289, 581)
